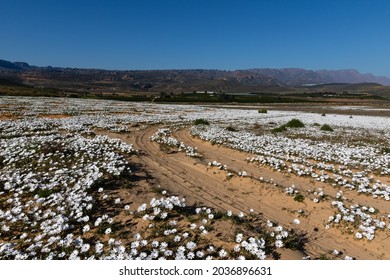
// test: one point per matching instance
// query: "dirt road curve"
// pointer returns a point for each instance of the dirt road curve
(203, 185)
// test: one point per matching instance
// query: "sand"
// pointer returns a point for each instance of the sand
(209, 186)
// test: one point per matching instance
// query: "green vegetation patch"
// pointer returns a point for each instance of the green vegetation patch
(201, 122)
(230, 128)
(295, 123)
(386, 150)
(299, 197)
(326, 127)
(263, 111)
(280, 128)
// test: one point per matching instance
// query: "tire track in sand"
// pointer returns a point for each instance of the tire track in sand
(201, 185)
(326, 240)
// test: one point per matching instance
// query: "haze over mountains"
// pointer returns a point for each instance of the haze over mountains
(181, 80)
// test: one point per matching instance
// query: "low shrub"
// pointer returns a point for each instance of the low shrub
(44, 193)
(326, 127)
(263, 111)
(279, 129)
(230, 128)
(201, 122)
(295, 123)
(299, 197)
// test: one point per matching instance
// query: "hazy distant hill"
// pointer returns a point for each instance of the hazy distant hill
(298, 77)
(248, 80)
(7, 65)
(352, 77)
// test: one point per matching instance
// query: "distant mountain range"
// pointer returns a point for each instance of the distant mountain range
(299, 77)
(248, 80)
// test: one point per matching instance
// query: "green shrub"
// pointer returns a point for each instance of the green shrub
(295, 123)
(279, 129)
(201, 121)
(299, 197)
(263, 111)
(316, 124)
(44, 193)
(326, 127)
(323, 257)
(230, 128)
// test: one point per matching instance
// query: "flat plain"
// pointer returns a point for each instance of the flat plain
(101, 179)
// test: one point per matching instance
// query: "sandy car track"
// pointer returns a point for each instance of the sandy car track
(203, 185)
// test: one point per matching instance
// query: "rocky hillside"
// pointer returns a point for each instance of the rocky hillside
(249, 80)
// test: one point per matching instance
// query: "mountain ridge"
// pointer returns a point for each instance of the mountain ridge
(181, 80)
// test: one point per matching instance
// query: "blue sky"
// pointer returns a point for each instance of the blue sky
(210, 34)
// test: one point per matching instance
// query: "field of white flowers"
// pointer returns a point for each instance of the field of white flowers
(67, 192)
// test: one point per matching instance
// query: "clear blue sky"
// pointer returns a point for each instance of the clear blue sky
(211, 34)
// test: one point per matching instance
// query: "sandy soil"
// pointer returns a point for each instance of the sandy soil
(204, 185)
(57, 116)
(7, 116)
